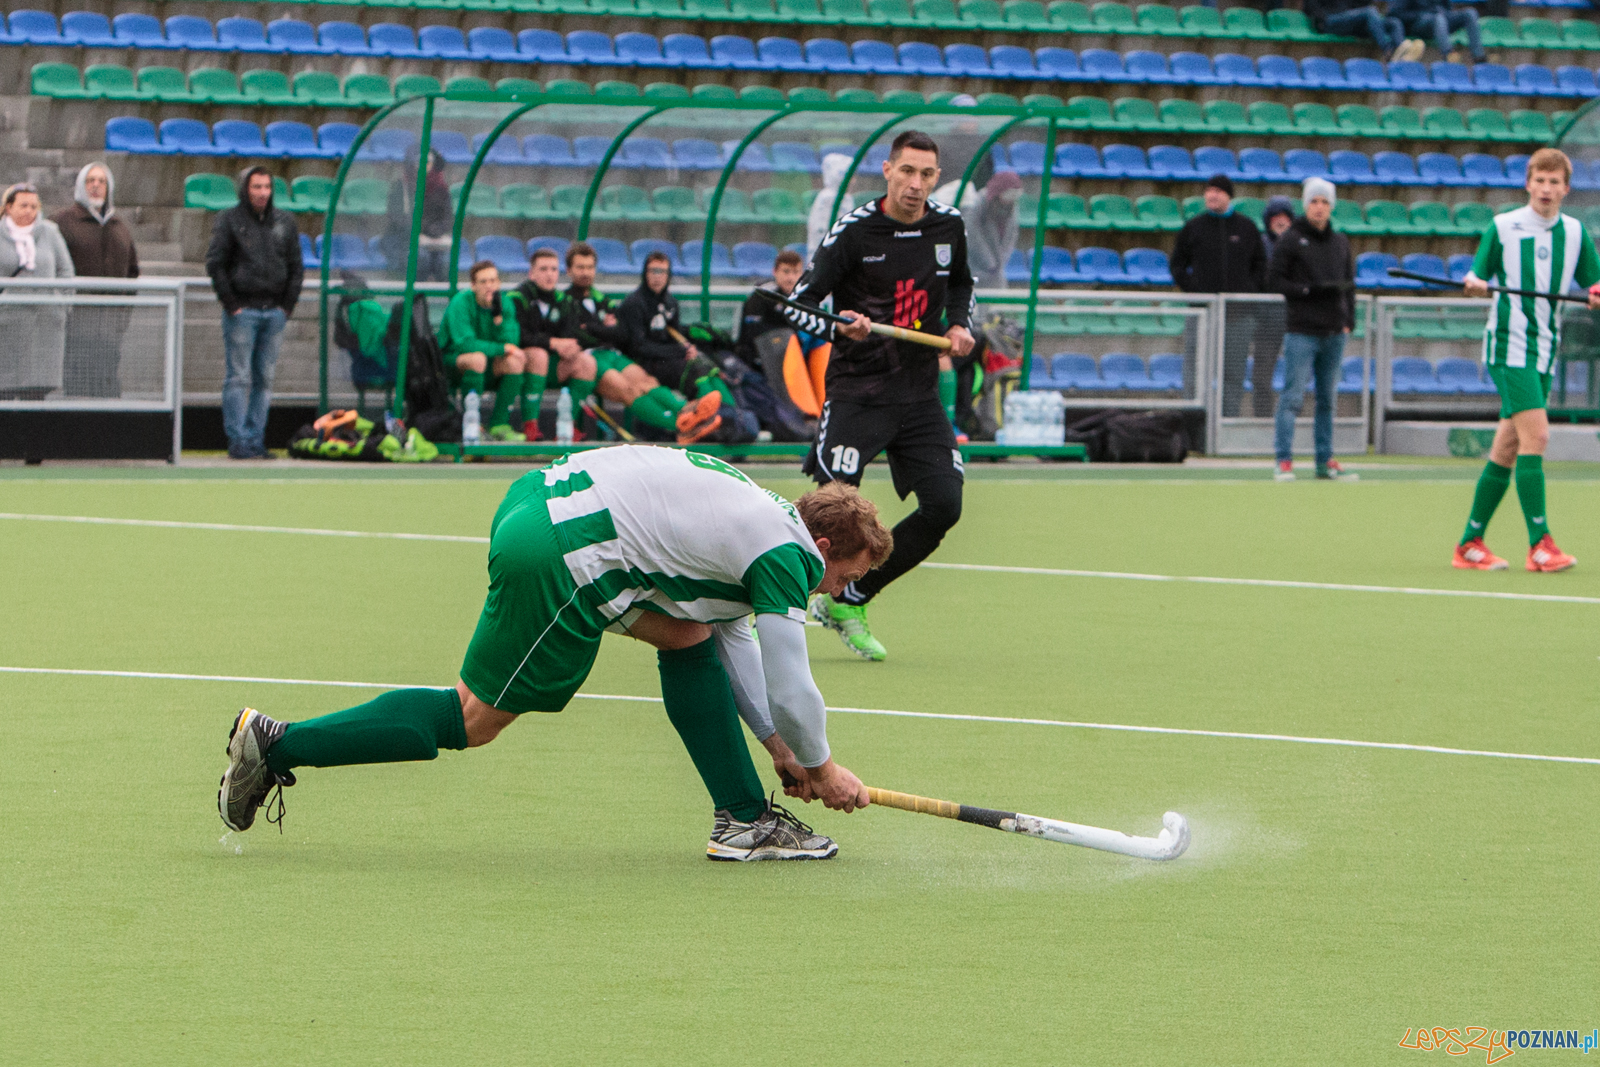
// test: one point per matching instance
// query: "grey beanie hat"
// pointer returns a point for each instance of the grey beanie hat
(1316, 187)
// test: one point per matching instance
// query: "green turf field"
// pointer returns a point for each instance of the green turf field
(545, 900)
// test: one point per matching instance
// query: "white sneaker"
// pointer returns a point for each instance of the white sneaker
(1283, 472)
(774, 835)
(1409, 51)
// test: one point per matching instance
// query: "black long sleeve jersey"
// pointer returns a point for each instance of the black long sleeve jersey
(586, 319)
(539, 315)
(913, 276)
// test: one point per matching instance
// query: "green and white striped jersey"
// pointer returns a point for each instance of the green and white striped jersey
(678, 532)
(1523, 250)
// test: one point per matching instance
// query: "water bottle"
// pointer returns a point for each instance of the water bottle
(472, 420)
(564, 417)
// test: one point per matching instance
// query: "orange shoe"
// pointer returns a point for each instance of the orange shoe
(1547, 558)
(1475, 556)
(699, 420)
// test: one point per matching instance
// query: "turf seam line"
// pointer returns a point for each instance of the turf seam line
(1394, 746)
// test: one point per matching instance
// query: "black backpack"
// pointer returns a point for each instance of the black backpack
(427, 388)
(1118, 436)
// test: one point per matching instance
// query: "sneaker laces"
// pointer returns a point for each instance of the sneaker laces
(275, 794)
(783, 816)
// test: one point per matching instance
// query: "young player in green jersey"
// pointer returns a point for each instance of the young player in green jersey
(668, 546)
(479, 335)
(1539, 248)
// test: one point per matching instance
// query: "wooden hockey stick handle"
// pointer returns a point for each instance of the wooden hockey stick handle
(916, 337)
(909, 802)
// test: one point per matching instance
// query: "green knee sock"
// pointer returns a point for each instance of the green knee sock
(532, 395)
(1492, 485)
(708, 384)
(579, 389)
(407, 724)
(472, 381)
(648, 411)
(947, 393)
(1530, 493)
(505, 394)
(700, 704)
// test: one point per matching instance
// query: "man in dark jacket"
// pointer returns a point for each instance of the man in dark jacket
(1220, 251)
(256, 270)
(1313, 269)
(1276, 218)
(102, 247)
(649, 315)
(1358, 18)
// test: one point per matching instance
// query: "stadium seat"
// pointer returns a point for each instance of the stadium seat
(292, 140)
(1395, 168)
(624, 202)
(1125, 161)
(232, 137)
(492, 44)
(754, 259)
(558, 245)
(110, 81)
(393, 40)
(1455, 374)
(310, 257)
(1226, 116)
(1410, 374)
(542, 46)
(210, 192)
(1147, 266)
(507, 253)
(1173, 163)
(1350, 380)
(131, 30)
(312, 192)
(1372, 269)
(62, 81)
(293, 36)
(87, 29)
(342, 38)
(443, 42)
(1166, 372)
(235, 34)
(1437, 168)
(317, 88)
(1076, 371)
(721, 259)
(1103, 266)
(452, 146)
(687, 50)
(1471, 219)
(387, 146)
(1213, 160)
(1352, 167)
(1261, 165)
(1423, 263)
(1122, 370)
(1303, 163)
(548, 150)
(193, 33)
(368, 90)
(506, 150)
(592, 47)
(1483, 170)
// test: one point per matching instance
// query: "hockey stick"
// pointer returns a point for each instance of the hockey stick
(1431, 280)
(899, 333)
(599, 411)
(1169, 845)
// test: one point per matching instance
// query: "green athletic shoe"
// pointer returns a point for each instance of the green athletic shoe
(503, 433)
(850, 623)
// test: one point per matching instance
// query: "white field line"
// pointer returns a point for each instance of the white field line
(1002, 719)
(1270, 583)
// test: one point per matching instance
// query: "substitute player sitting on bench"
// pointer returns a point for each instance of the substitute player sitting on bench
(479, 335)
(671, 547)
(541, 320)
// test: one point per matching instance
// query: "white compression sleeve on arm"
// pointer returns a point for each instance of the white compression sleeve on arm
(741, 658)
(792, 697)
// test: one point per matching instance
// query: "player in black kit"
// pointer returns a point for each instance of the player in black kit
(901, 259)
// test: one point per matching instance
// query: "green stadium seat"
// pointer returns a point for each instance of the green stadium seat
(735, 206)
(624, 202)
(569, 86)
(110, 81)
(1250, 207)
(806, 11)
(943, 97)
(1580, 33)
(1290, 25)
(1090, 113)
(1559, 120)
(1487, 124)
(1070, 16)
(1193, 205)
(166, 84)
(368, 90)
(676, 203)
(778, 206)
(724, 92)
(213, 85)
(468, 84)
(1445, 122)
(1159, 213)
(891, 12)
(717, 10)
(1245, 22)
(1347, 217)
(937, 14)
(1028, 16)
(667, 91)
(898, 97)
(1541, 33)
(1530, 126)
(281, 195)
(522, 200)
(365, 196)
(566, 201)
(1318, 120)
(612, 87)
(1432, 217)
(312, 192)
(998, 100)
(1359, 120)
(266, 87)
(482, 203)
(1182, 115)
(1269, 116)
(1472, 218)
(852, 12)
(849, 96)
(754, 10)
(1198, 21)
(1498, 32)
(1136, 113)
(517, 85)
(1226, 116)
(1049, 100)
(210, 192)
(318, 88)
(984, 14)
(1501, 209)
(1158, 20)
(768, 94)
(1067, 210)
(808, 94)
(1389, 218)
(1112, 211)
(415, 85)
(63, 81)
(1114, 18)
(1401, 121)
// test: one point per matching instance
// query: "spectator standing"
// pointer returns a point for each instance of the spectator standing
(1357, 18)
(1220, 251)
(992, 229)
(1313, 269)
(1270, 318)
(256, 270)
(102, 247)
(1436, 20)
(834, 166)
(34, 333)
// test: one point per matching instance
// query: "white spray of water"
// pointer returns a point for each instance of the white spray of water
(230, 844)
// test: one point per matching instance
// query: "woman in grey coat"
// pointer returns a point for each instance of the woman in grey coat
(32, 335)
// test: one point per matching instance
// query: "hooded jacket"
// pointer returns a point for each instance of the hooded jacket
(759, 316)
(646, 316)
(254, 259)
(1314, 271)
(820, 220)
(101, 244)
(1277, 205)
(1219, 254)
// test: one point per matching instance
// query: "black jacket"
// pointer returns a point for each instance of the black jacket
(1219, 254)
(759, 316)
(1317, 11)
(1314, 271)
(913, 275)
(540, 315)
(254, 260)
(586, 319)
(645, 318)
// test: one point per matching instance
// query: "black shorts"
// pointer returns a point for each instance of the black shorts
(918, 437)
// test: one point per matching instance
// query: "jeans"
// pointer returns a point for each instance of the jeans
(1303, 354)
(250, 341)
(1366, 22)
(1439, 25)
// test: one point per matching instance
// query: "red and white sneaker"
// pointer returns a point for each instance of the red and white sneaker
(1334, 472)
(1283, 472)
(1475, 556)
(1546, 558)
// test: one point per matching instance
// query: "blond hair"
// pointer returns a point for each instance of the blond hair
(848, 520)
(1551, 159)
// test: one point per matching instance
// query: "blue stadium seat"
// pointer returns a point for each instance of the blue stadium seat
(1577, 379)
(1303, 163)
(1166, 371)
(393, 39)
(967, 60)
(1192, 68)
(736, 52)
(1458, 375)
(1234, 69)
(507, 253)
(1056, 265)
(644, 153)
(640, 50)
(825, 55)
(1575, 81)
(293, 36)
(129, 134)
(1494, 78)
(376, 260)
(1261, 165)
(548, 150)
(292, 140)
(349, 251)
(1451, 78)
(1125, 161)
(1372, 269)
(335, 138)
(1459, 265)
(1148, 67)
(589, 151)
(1350, 375)
(132, 30)
(1147, 266)
(917, 57)
(794, 157)
(721, 260)
(1102, 265)
(542, 46)
(558, 245)
(387, 146)
(1060, 64)
(309, 258)
(1172, 162)
(1009, 61)
(1410, 374)
(1415, 77)
(1280, 71)
(687, 50)
(342, 38)
(755, 159)
(492, 44)
(1361, 73)
(1584, 176)
(192, 32)
(1123, 370)
(780, 53)
(1516, 172)
(35, 27)
(1100, 64)
(1439, 168)
(1423, 263)
(645, 246)
(443, 42)
(507, 149)
(232, 137)
(693, 153)
(754, 259)
(89, 29)
(1213, 160)
(592, 47)
(1027, 158)
(1074, 370)
(1351, 167)
(874, 57)
(191, 137)
(1483, 170)
(452, 146)
(243, 35)
(1395, 168)
(1078, 161)
(1320, 72)
(1017, 266)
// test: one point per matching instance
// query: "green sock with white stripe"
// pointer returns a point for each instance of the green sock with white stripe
(1530, 493)
(649, 412)
(1492, 486)
(406, 724)
(700, 704)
